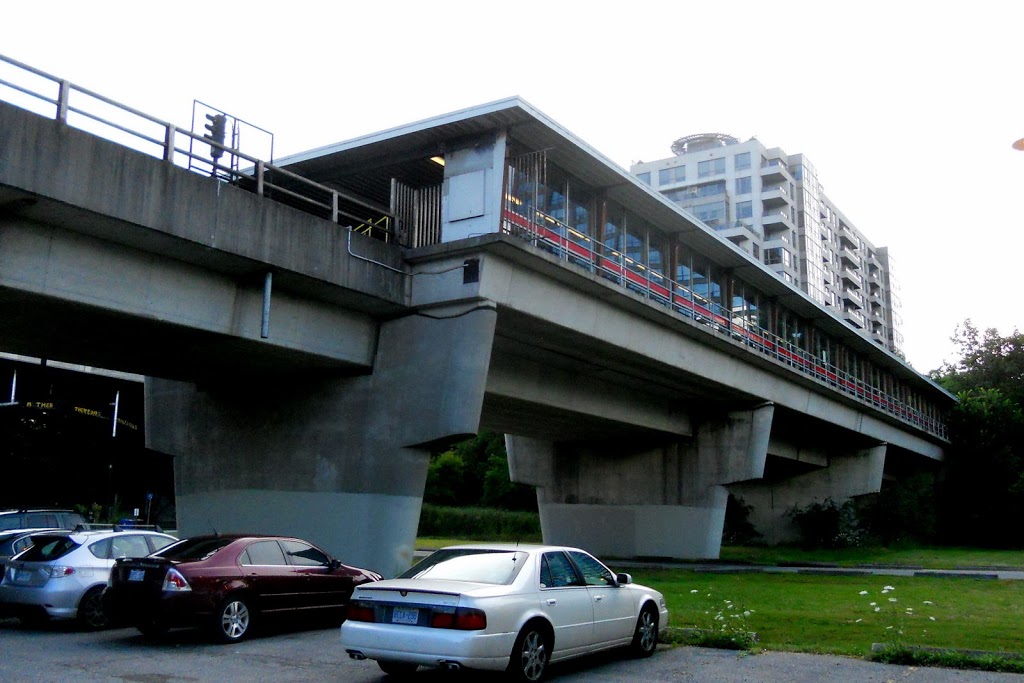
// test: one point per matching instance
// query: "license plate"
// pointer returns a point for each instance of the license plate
(137, 575)
(405, 615)
(22, 575)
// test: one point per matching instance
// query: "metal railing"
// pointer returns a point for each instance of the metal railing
(549, 233)
(94, 113)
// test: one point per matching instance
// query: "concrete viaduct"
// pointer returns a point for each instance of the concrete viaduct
(301, 372)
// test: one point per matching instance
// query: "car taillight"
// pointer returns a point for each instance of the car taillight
(58, 571)
(463, 619)
(360, 611)
(175, 582)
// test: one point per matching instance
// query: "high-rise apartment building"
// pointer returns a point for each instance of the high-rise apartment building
(772, 205)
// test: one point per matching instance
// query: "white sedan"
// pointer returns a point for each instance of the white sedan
(500, 607)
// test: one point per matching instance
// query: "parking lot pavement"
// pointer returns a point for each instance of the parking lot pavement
(61, 653)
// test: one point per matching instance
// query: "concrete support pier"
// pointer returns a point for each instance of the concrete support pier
(339, 461)
(838, 475)
(665, 501)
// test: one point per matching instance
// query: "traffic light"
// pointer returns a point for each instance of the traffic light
(218, 129)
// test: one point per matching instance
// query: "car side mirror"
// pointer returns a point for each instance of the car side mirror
(623, 579)
(333, 564)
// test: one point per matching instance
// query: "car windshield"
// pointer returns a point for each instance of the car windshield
(192, 549)
(464, 564)
(46, 548)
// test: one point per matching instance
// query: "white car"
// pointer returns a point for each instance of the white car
(64, 573)
(508, 608)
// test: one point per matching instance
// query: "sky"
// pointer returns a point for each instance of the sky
(906, 109)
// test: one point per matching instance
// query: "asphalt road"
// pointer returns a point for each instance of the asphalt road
(62, 653)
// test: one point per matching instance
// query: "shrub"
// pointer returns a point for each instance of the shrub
(903, 511)
(827, 525)
(479, 524)
(738, 530)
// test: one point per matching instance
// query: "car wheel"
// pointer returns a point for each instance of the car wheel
(232, 620)
(397, 669)
(91, 614)
(530, 654)
(645, 637)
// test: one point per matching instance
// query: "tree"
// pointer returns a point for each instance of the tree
(475, 473)
(983, 493)
(987, 361)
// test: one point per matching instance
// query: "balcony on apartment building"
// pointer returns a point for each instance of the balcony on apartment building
(848, 257)
(774, 171)
(739, 232)
(775, 196)
(852, 299)
(850, 276)
(847, 232)
(854, 317)
(776, 221)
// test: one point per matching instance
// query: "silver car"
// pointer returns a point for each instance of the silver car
(64, 573)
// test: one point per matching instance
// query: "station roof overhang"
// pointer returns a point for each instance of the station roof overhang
(366, 164)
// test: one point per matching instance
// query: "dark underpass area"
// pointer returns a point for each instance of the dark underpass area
(73, 439)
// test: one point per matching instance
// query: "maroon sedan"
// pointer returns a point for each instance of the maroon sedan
(228, 582)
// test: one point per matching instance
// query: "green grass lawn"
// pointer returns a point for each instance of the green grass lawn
(819, 614)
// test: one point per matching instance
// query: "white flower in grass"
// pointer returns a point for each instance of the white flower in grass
(863, 592)
(694, 591)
